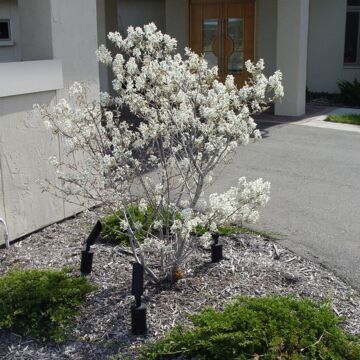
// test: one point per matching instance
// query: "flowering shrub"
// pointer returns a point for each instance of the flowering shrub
(190, 123)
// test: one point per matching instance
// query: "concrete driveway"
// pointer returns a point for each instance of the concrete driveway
(315, 197)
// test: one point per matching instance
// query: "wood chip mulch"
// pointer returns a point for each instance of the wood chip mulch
(253, 266)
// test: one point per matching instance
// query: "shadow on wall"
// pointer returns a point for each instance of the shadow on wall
(141, 12)
(24, 103)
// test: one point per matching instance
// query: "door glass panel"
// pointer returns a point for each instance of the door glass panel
(210, 41)
(235, 32)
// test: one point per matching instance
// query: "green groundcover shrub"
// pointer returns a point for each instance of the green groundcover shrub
(350, 92)
(259, 328)
(113, 232)
(41, 303)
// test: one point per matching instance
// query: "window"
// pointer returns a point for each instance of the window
(352, 33)
(5, 30)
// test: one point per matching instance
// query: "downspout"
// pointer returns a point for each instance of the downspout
(6, 233)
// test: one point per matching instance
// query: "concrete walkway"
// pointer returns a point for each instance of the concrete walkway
(315, 177)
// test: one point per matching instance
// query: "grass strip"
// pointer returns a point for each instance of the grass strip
(353, 119)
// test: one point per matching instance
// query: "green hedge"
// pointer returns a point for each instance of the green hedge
(41, 303)
(259, 328)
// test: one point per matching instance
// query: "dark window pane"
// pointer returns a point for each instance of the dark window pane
(353, 2)
(351, 37)
(236, 35)
(4, 30)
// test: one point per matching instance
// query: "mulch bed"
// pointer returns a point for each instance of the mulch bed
(253, 266)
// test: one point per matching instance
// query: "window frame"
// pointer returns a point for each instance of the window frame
(356, 64)
(9, 28)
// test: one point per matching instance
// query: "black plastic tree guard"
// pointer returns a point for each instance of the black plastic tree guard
(138, 310)
(87, 254)
(216, 249)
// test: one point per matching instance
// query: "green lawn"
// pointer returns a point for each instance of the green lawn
(345, 119)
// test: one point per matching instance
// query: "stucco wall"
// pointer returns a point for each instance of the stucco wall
(141, 12)
(326, 46)
(36, 32)
(69, 34)
(74, 39)
(25, 147)
(9, 10)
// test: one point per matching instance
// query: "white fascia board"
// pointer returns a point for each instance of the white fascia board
(26, 77)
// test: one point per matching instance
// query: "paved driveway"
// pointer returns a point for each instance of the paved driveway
(315, 198)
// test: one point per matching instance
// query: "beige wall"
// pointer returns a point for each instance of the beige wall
(10, 51)
(68, 33)
(326, 46)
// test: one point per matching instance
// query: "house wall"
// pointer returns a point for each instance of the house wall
(325, 40)
(67, 39)
(36, 41)
(266, 33)
(107, 20)
(141, 12)
(177, 25)
(326, 46)
(10, 51)
(177, 22)
(25, 147)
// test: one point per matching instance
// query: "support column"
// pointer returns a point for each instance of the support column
(292, 42)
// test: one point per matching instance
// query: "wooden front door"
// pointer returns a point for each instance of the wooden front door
(224, 32)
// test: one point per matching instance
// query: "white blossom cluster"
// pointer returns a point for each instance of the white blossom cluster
(240, 203)
(189, 122)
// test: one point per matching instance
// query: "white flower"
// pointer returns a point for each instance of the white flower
(188, 123)
(103, 55)
(76, 89)
(105, 99)
(157, 224)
